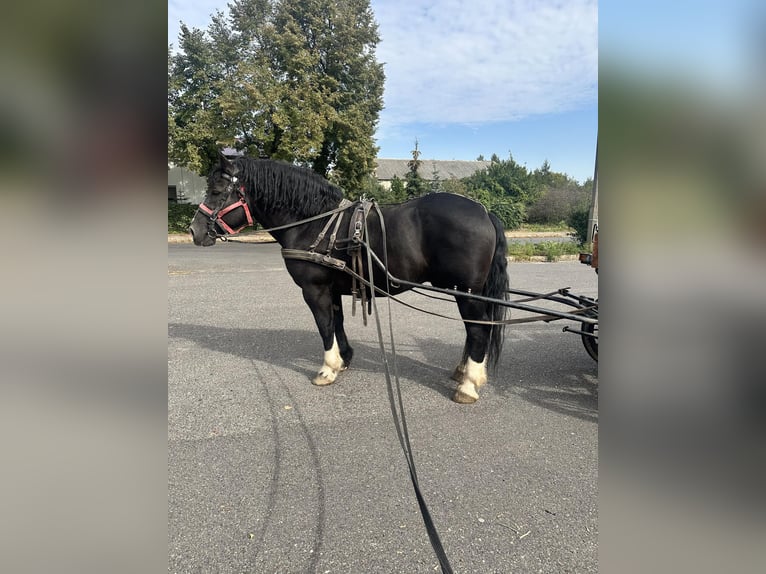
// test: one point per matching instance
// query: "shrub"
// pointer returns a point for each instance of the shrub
(511, 213)
(180, 216)
(557, 203)
(578, 220)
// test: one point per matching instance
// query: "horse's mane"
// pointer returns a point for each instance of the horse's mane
(276, 185)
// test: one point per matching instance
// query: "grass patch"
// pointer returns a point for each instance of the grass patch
(542, 227)
(551, 250)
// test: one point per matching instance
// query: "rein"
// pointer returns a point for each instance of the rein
(359, 239)
(393, 386)
(344, 205)
(400, 421)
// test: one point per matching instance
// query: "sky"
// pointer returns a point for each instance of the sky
(508, 77)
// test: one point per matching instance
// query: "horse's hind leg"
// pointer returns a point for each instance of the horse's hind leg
(457, 374)
(320, 301)
(471, 372)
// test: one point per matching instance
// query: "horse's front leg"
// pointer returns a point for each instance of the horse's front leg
(320, 300)
(346, 352)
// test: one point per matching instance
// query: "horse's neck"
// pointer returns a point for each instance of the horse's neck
(293, 237)
(270, 218)
(269, 213)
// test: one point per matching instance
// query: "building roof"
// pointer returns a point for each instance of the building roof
(232, 152)
(446, 169)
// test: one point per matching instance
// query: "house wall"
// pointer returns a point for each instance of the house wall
(191, 187)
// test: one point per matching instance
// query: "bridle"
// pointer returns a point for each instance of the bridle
(215, 216)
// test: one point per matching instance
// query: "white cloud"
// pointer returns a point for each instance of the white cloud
(449, 61)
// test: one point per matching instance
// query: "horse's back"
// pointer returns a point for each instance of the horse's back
(442, 238)
(454, 221)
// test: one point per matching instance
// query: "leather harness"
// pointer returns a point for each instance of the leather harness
(356, 236)
(354, 239)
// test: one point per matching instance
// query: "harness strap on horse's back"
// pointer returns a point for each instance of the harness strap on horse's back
(337, 217)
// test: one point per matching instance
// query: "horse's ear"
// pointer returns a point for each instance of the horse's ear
(227, 165)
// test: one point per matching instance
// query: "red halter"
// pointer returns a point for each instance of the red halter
(216, 216)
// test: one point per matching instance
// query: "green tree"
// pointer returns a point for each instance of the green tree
(192, 93)
(559, 196)
(371, 189)
(289, 79)
(397, 193)
(435, 185)
(505, 188)
(415, 185)
(454, 185)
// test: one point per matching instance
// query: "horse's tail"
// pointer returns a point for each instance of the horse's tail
(496, 287)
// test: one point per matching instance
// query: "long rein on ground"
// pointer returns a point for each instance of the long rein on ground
(393, 387)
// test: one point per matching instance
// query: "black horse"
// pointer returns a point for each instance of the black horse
(447, 240)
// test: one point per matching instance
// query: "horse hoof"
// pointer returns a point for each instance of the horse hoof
(465, 394)
(463, 399)
(458, 374)
(322, 380)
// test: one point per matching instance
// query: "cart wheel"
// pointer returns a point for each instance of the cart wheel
(590, 343)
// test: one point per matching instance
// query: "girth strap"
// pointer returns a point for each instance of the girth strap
(314, 257)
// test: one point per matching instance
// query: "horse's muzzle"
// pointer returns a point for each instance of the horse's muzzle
(201, 238)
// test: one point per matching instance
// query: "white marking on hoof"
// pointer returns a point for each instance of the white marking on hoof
(473, 376)
(323, 379)
(333, 363)
(465, 394)
(475, 373)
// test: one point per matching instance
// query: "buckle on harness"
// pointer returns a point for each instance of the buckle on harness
(357, 232)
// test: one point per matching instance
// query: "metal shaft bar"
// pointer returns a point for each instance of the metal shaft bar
(568, 299)
(511, 304)
(570, 330)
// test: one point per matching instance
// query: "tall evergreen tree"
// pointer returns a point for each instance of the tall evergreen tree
(415, 185)
(289, 79)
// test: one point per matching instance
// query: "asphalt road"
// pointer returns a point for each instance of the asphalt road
(270, 474)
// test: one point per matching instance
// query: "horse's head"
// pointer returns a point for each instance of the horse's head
(224, 210)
